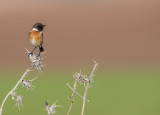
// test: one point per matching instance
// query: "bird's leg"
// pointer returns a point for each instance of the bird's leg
(32, 51)
(39, 54)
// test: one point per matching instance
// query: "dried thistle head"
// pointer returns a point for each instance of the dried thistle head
(13, 94)
(19, 100)
(28, 83)
(36, 60)
(81, 78)
(51, 109)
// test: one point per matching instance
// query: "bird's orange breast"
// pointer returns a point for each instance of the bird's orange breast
(35, 38)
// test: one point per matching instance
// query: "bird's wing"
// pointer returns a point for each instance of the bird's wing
(42, 35)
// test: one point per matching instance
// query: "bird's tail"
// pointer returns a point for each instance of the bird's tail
(41, 49)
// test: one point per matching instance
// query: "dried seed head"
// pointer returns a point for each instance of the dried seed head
(19, 100)
(28, 83)
(13, 94)
(36, 60)
(51, 109)
(81, 78)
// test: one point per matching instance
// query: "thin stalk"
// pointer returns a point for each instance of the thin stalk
(72, 96)
(87, 86)
(14, 88)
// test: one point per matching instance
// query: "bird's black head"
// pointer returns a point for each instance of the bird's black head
(38, 27)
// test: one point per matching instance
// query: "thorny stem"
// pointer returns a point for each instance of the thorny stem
(15, 87)
(72, 96)
(75, 91)
(87, 86)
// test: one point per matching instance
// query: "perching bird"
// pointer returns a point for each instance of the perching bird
(36, 37)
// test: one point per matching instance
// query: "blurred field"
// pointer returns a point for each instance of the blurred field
(115, 33)
(112, 93)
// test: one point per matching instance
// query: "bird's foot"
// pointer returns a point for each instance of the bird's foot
(30, 54)
(39, 54)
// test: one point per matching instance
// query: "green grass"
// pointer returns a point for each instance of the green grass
(112, 93)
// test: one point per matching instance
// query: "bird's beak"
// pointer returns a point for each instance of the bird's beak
(44, 25)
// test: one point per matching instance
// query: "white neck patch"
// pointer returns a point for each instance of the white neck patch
(35, 29)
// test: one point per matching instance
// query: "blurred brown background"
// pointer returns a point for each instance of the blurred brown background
(112, 32)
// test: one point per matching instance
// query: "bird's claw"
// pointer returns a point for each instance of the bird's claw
(30, 54)
(39, 54)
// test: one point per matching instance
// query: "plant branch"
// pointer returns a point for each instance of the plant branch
(14, 88)
(75, 91)
(87, 86)
(72, 96)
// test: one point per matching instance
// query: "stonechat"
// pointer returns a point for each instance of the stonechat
(36, 36)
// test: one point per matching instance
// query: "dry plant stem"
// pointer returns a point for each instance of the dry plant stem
(86, 88)
(15, 87)
(72, 96)
(74, 91)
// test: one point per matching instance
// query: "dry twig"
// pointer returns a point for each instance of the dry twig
(87, 86)
(12, 92)
(82, 79)
(72, 96)
(37, 63)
